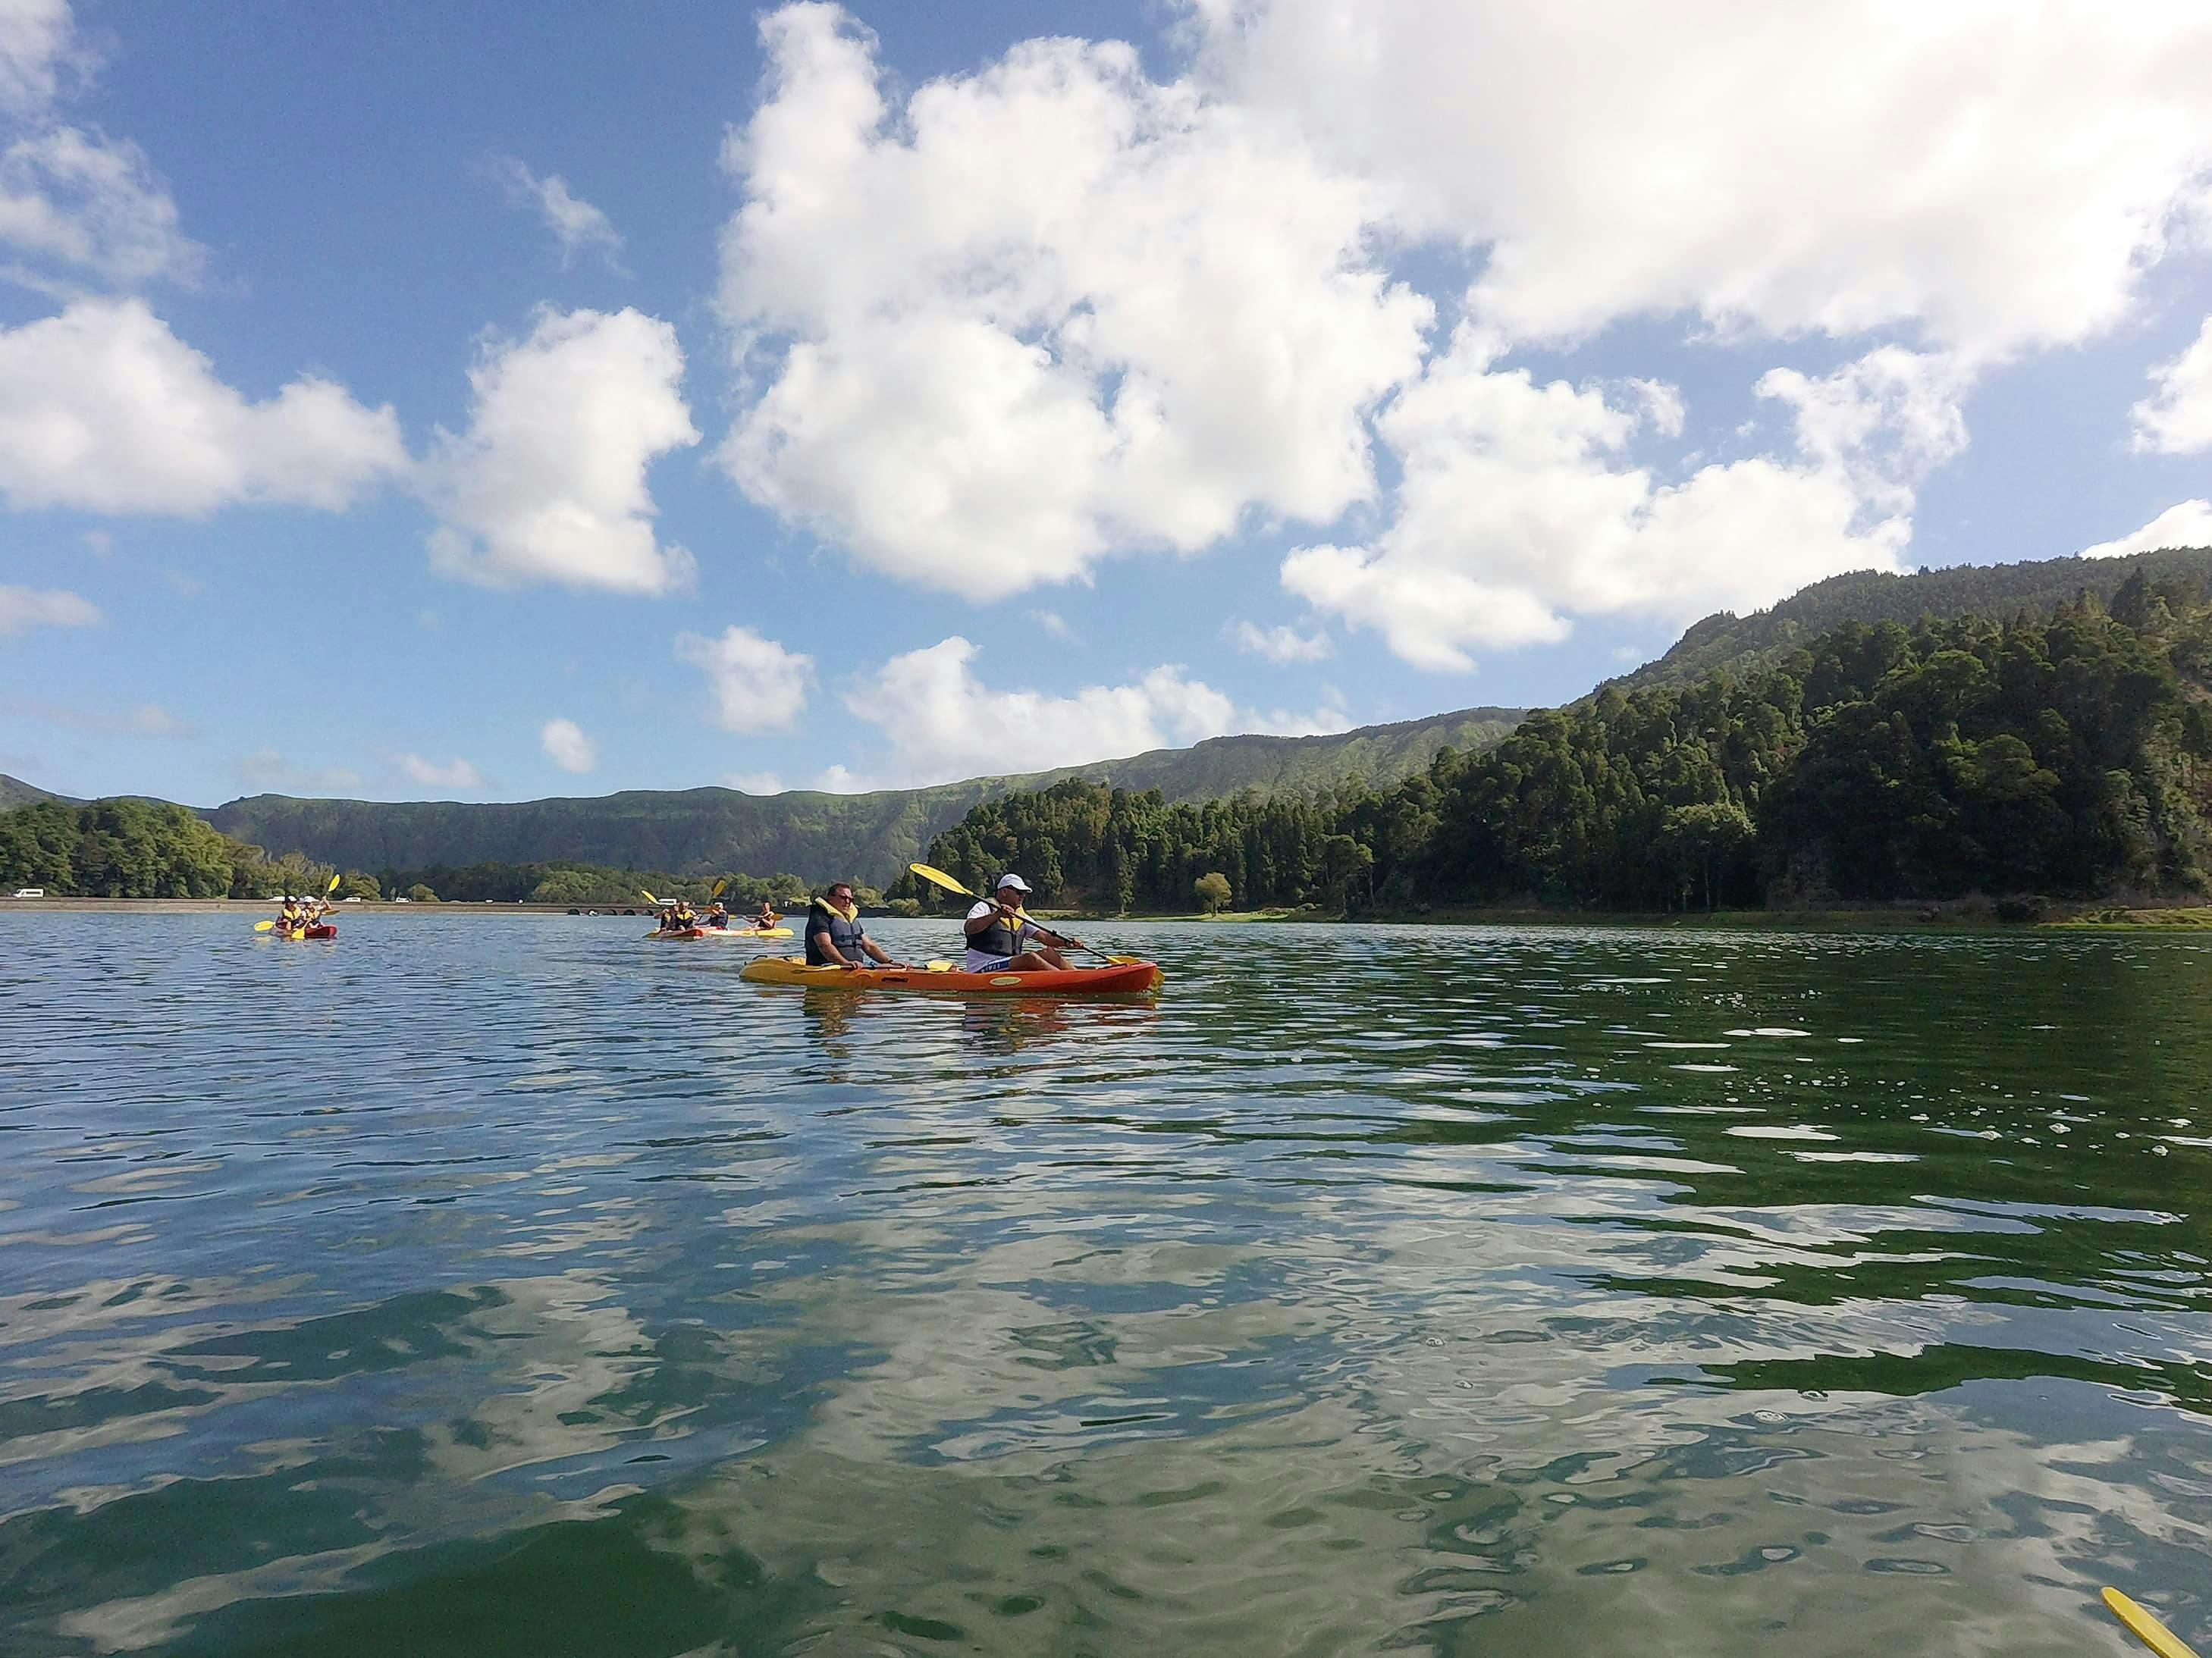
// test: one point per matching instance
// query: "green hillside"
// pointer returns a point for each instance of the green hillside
(15, 792)
(2067, 754)
(868, 836)
(1725, 639)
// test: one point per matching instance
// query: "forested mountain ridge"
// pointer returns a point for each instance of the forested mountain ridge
(1996, 590)
(865, 836)
(1321, 783)
(127, 849)
(2067, 754)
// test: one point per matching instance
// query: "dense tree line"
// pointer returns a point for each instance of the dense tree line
(123, 848)
(2064, 754)
(140, 849)
(594, 885)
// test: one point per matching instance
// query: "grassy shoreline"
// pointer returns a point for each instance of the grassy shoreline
(1912, 917)
(1902, 918)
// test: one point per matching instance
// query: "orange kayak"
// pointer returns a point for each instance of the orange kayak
(1119, 979)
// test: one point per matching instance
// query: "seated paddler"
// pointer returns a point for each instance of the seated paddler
(834, 937)
(1002, 939)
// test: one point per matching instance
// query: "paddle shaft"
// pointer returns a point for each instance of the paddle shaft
(2145, 1628)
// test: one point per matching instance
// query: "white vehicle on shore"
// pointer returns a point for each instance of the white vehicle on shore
(30, 892)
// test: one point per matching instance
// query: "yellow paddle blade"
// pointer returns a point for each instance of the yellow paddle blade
(720, 881)
(264, 926)
(2146, 1628)
(649, 898)
(937, 966)
(938, 877)
(333, 886)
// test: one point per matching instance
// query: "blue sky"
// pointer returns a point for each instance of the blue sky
(471, 401)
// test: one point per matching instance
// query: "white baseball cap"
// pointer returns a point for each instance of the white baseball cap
(1011, 879)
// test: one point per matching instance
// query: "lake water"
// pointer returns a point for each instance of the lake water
(511, 1286)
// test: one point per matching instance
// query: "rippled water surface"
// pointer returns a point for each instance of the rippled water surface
(498, 1285)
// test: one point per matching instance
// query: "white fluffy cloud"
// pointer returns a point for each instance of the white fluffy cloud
(2188, 525)
(757, 684)
(1045, 311)
(75, 206)
(756, 782)
(567, 747)
(1518, 508)
(36, 41)
(1883, 423)
(548, 484)
(2176, 419)
(456, 774)
(78, 205)
(1279, 645)
(1996, 178)
(944, 723)
(576, 225)
(103, 408)
(1029, 317)
(22, 609)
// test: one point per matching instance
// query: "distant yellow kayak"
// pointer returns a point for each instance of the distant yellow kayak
(748, 932)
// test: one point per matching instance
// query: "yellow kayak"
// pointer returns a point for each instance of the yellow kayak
(1120, 979)
(748, 932)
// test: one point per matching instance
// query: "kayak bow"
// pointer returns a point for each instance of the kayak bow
(1126, 978)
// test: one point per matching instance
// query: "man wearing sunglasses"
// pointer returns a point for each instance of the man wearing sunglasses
(834, 937)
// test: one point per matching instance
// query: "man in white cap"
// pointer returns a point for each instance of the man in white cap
(999, 935)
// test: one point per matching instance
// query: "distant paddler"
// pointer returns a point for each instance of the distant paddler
(297, 916)
(718, 917)
(765, 918)
(676, 916)
(834, 937)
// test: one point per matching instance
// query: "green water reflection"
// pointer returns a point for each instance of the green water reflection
(1455, 1290)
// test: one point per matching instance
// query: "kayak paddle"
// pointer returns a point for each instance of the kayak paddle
(2146, 1628)
(938, 877)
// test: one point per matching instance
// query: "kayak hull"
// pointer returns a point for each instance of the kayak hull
(683, 935)
(322, 929)
(748, 932)
(1133, 978)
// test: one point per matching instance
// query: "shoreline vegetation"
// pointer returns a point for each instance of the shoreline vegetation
(1971, 915)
